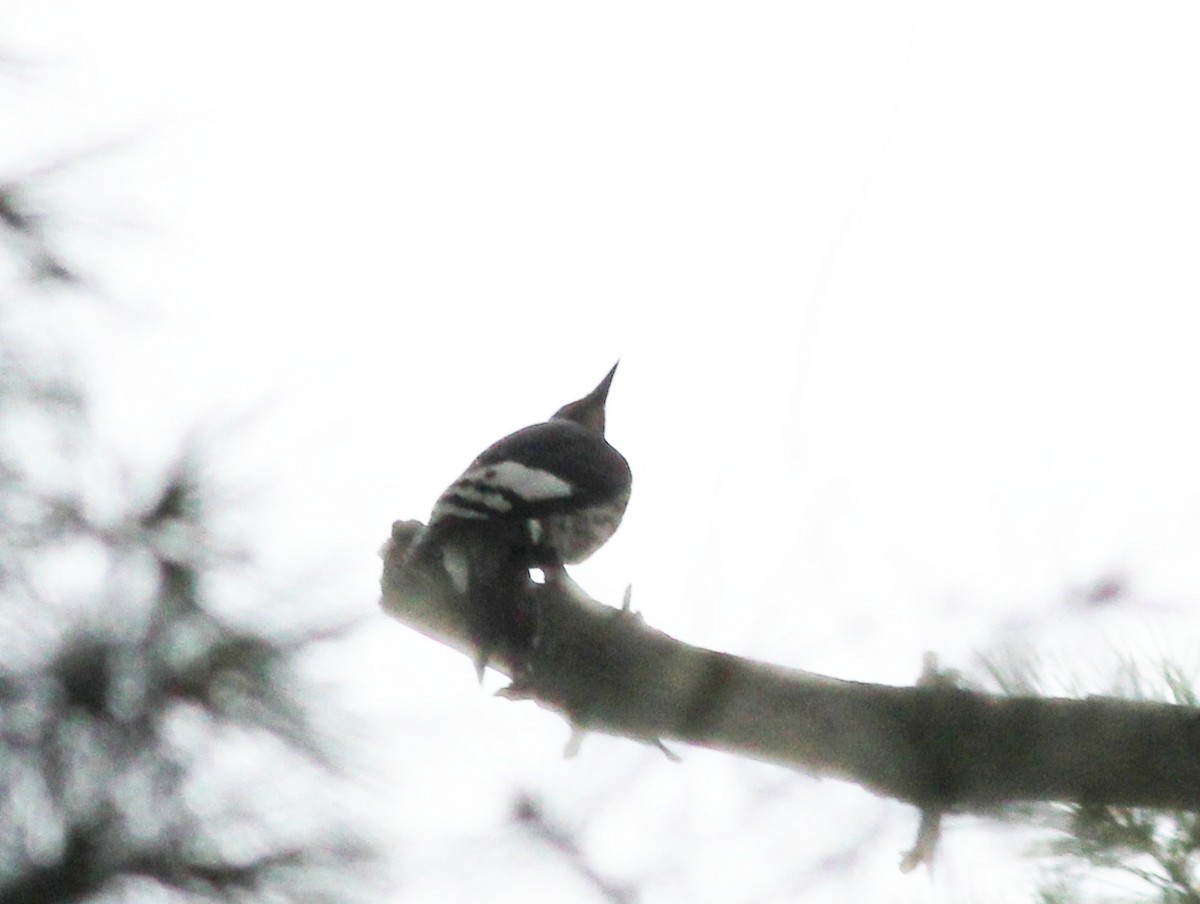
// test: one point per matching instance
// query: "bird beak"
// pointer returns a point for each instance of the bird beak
(600, 393)
(589, 410)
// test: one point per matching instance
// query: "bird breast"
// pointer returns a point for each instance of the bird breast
(576, 535)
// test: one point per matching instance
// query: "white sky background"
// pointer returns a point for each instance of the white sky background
(907, 303)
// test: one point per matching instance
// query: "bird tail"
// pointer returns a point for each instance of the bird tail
(502, 613)
(488, 565)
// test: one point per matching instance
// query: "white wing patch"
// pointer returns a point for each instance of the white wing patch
(447, 509)
(529, 483)
(485, 492)
(487, 496)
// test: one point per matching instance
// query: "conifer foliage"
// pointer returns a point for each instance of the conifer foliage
(137, 719)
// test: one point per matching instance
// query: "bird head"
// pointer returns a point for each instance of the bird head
(589, 410)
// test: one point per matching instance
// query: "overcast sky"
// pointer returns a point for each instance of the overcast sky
(906, 298)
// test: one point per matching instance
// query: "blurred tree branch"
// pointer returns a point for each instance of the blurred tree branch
(937, 745)
(528, 813)
(126, 698)
(23, 229)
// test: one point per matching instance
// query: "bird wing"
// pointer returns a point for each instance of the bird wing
(546, 469)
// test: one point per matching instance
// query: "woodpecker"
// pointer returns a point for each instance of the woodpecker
(546, 496)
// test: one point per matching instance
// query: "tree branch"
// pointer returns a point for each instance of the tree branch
(935, 745)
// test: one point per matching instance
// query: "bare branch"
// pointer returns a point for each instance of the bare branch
(938, 746)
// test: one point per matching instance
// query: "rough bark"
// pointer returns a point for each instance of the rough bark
(938, 746)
